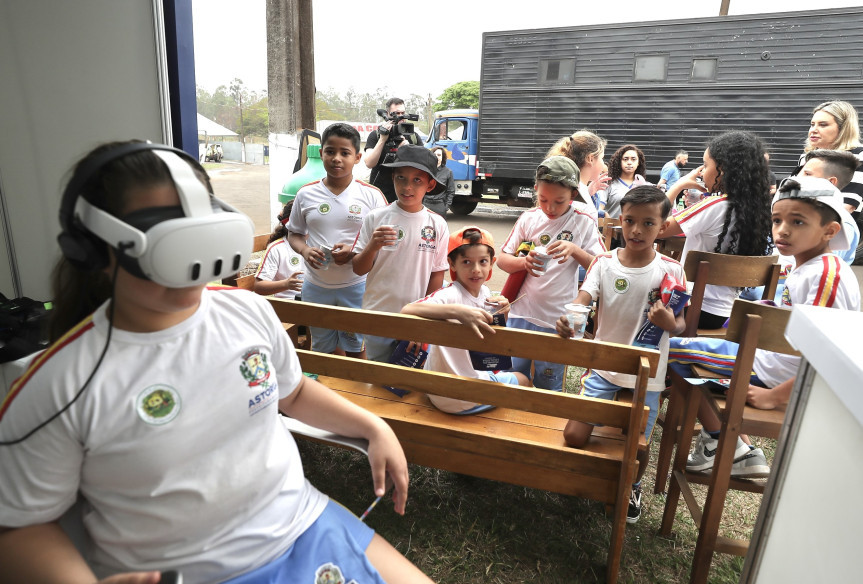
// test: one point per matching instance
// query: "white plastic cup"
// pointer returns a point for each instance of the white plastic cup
(543, 256)
(577, 315)
(328, 256)
(395, 244)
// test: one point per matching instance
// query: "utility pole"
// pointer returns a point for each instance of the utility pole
(290, 87)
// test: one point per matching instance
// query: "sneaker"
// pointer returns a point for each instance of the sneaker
(701, 458)
(634, 511)
(752, 465)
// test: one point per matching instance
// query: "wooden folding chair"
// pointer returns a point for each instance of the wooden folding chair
(703, 268)
(671, 246)
(753, 325)
(607, 228)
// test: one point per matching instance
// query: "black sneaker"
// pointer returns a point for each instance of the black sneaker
(634, 511)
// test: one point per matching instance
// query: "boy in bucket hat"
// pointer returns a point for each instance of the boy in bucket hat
(808, 213)
(402, 247)
(470, 254)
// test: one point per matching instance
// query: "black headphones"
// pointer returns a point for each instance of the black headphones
(201, 240)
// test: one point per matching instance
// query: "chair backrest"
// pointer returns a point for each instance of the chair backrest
(774, 320)
(606, 226)
(717, 269)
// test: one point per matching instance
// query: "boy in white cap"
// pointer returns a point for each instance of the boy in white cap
(808, 214)
(402, 247)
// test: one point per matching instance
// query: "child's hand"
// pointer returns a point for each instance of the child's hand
(762, 398)
(662, 316)
(295, 282)
(562, 250)
(384, 235)
(532, 265)
(314, 257)
(341, 253)
(562, 328)
(387, 459)
(689, 180)
(600, 184)
(502, 304)
(476, 318)
(414, 347)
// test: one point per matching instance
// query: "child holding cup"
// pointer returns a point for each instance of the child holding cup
(563, 237)
(629, 283)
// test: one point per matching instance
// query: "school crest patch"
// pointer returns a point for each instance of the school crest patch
(158, 404)
(329, 574)
(324, 208)
(564, 236)
(294, 261)
(355, 209)
(544, 239)
(621, 285)
(255, 368)
(428, 234)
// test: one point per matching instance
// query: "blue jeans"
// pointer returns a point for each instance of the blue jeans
(546, 375)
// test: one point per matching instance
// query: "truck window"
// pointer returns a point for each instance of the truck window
(556, 71)
(450, 130)
(703, 69)
(650, 67)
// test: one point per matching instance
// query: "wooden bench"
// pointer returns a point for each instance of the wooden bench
(248, 282)
(521, 440)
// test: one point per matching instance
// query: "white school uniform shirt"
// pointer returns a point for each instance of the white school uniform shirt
(328, 219)
(702, 224)
(280, 262)
(399, 276)
(547, 294)
(625, 295)
(176, 444)
(451, 360)
(825, 280)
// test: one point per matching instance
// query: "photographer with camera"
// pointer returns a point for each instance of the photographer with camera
(381, 145)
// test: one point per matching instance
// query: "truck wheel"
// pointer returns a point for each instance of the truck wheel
(463, 207)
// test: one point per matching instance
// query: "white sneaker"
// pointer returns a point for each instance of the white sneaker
(702, 456)
(752, 465)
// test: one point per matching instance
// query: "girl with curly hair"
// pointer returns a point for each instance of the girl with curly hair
(736, 222)
(626, 170)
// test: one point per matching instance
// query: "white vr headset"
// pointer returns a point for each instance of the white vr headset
(208, 241)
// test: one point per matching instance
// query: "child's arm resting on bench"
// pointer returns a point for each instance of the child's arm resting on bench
(477, 319)
(313, 403)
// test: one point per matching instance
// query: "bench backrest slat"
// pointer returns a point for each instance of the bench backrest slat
(538, 401)
(528, 344)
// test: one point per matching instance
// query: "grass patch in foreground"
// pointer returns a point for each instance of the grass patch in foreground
(460, 529)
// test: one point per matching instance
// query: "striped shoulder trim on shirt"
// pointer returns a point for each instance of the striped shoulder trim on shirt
(828, 285)
(699, 207)
(73, 334)
(279, 241)
(444, 287)
(365, 184)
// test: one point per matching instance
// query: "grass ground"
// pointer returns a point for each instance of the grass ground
(460, 529)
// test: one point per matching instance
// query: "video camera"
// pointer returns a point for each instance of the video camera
(399, 126)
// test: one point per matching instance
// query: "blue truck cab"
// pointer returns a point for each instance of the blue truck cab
(457, 130)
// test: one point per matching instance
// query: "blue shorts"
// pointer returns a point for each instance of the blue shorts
(500, 377)
(714, 354)
(545, 375)
(326, 340)
(333, 549)
(593, 385)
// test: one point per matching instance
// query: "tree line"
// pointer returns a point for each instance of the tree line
(246, 112)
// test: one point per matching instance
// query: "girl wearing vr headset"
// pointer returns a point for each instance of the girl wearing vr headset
(160, 409)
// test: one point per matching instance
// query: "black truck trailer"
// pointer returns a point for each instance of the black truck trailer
(663, 86)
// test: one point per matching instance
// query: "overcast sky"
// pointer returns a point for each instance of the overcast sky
(427, 52)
